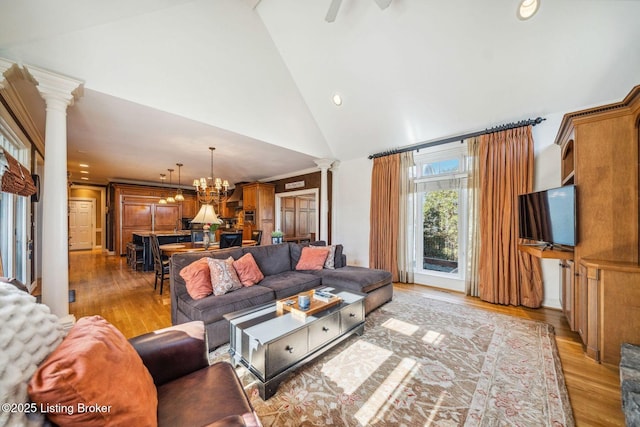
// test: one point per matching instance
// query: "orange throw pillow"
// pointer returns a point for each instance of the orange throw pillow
(95, 378)
(312, 259)
(248, 271)
(197, 278)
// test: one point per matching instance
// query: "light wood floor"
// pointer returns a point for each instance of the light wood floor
(104, 285)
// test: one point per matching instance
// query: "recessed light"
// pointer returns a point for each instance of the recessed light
(84, 171)
(84, 165)
(527, 8)
(337, 99)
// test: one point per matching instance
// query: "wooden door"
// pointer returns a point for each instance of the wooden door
(305, 215)
(288, 215)
(298, 215)
(80, 225)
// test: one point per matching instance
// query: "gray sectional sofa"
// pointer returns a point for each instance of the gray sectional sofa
(277, 263)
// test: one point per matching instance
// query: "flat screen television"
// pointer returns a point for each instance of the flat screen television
(549, 216)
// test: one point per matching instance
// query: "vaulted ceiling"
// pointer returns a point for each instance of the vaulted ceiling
(166, 79)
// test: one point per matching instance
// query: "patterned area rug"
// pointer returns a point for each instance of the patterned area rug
(424, 362)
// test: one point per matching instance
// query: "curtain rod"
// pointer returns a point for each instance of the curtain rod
(460, 138)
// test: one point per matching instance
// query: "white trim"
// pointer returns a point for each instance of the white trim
(439, 281)
(452, 281)
(103, 209)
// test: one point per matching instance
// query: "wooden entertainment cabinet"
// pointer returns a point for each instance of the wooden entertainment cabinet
(601, 281)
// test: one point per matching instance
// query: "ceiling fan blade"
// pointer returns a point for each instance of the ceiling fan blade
(383, 4)
(333, 10)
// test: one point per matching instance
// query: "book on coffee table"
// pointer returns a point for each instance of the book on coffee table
(316, 305)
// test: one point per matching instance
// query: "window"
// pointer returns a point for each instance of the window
(441, 209)
(14, 212)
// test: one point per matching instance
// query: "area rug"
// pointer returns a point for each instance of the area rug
(423, 362)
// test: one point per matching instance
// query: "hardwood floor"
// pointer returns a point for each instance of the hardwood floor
(105, 285)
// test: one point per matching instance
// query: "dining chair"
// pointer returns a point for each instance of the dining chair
(160, 263)
(257, 236)
(228, 240)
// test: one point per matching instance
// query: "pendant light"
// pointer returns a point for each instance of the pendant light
(162, 200)
(170, 199)
(179, 197)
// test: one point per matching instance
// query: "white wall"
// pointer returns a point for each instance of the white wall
(547, 175)
(352, 190)
(351, 204)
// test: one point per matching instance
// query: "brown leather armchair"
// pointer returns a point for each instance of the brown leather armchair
(190, 391)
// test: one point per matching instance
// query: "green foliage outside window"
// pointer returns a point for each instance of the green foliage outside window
(441, 225)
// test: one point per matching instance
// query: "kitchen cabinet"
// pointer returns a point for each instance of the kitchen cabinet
(259, 201)
(136, 209)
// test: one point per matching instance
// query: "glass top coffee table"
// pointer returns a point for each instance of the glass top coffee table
(271, 342)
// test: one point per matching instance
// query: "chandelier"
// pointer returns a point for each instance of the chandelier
(211, 190)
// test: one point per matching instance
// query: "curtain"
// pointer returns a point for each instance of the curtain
(507, 276)
(16, 178)
(473, 230)
(384, 214)
(406, 234)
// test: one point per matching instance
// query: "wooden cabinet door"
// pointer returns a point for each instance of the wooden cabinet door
(568, 292)
(266, 204)
(189, 206)
(137, 215)
(249, 197)
(166, 217)
(582, 303)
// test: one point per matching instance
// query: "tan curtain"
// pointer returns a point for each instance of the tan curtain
(473, 236)
(385, 193)
(507, 276)
(406, 219)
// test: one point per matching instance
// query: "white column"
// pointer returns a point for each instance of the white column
(324, 165)
(59, 93)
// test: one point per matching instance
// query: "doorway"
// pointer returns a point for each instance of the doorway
(81, 224)
(297, 213)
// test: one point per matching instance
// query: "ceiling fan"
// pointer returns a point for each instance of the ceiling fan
(335, 6)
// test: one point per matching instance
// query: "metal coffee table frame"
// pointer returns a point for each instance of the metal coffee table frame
(271, 345)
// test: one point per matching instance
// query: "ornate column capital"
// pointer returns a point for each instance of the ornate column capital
(323, 163)
(55, 88)
(5, 65)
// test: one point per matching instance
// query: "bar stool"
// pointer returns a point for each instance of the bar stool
(135, 256)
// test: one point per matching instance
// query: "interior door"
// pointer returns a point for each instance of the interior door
(80, 224)
(288, 216)
(305, 215)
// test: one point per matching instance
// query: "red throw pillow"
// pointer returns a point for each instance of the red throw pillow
(197, 278)
(95, 378)
(248, 271)
(312, 259)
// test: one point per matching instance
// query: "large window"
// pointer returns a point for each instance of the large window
(441, 212)
(14, 212)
